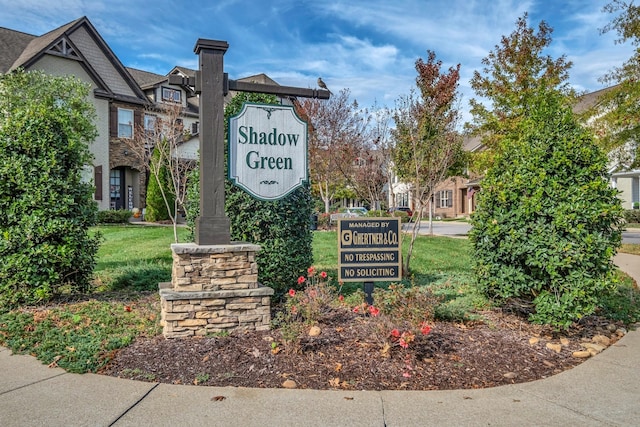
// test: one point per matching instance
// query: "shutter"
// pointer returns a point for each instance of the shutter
(438, 199)
(113, 121)
(449, 198)
(97, 180)
(137, 121)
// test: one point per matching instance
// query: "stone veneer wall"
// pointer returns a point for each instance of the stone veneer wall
(214, 288)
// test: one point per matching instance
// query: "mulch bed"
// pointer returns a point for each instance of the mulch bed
(350, 354)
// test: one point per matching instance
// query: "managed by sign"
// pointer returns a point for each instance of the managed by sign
(267, 150)
(369, 249)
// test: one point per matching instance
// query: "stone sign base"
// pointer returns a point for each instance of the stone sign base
(214, 288)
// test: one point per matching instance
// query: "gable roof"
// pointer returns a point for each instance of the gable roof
(94, 55)
(37, 46)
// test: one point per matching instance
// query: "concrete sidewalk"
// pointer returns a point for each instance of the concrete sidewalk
(603, 391)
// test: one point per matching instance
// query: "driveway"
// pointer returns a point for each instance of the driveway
(461, 229)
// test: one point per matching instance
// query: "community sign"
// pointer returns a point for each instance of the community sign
(267, 150)
(369, 249)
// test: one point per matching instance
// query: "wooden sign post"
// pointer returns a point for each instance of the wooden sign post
(214, 283)
(212, 84)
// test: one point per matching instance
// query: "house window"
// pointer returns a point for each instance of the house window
(171, 95)
(402, 199)
(150, 124)
(125, 123)
(444, 199)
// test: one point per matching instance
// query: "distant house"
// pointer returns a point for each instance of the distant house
(454, 197)
(623, 177)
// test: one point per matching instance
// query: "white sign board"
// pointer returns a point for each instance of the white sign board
(267, 150)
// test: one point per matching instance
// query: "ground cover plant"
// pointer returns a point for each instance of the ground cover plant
(446, 337)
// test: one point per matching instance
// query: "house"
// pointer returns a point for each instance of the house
(624, 178)
(77, 49)
(127, 101)
(454, 197)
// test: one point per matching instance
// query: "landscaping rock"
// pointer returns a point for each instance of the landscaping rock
(314, 331)
(593, 348)
(602, 340)
(555, 347)
(583, 354)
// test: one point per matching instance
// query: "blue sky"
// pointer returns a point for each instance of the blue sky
(368, 46)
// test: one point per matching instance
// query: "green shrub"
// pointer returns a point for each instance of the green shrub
(281, 227)
(621, 303)
(45, 207)
(156, 209)
(547, 223)
(114, 216)
(324, 221)
(404, 217)
(632, 216)
(377, 213)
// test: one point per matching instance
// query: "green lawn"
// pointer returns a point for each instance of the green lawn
(134, 257)
(80, 333)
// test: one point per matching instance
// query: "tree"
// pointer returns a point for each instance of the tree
(157, 149)
(514, 72)
(427, 144)
(616, 116)
(337, 131)
(46, 208)
(547, 223)
(160, 198)
(374, 170)
(281, 227)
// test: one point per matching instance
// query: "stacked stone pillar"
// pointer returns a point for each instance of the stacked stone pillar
(214, 288)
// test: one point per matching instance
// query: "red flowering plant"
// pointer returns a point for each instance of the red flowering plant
(304, 307)
(403, 320)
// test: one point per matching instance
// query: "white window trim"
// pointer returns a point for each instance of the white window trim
(122, 123)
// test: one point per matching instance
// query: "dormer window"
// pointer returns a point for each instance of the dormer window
(171, 95)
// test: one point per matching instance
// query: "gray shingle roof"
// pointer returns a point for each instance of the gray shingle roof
(146, 79)
(12, 44)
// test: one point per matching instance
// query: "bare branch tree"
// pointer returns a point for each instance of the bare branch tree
(337, 129)
(158, 147)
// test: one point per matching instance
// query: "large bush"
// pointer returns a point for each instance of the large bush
(45, 207)
(281, 228)
(547, 223)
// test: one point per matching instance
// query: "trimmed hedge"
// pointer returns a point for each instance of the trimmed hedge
(632, 216)
(120, 216)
